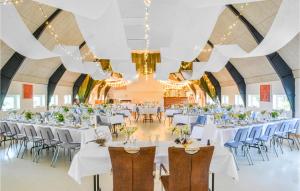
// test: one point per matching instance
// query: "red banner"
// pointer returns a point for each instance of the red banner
(265, 93)
(27, 91)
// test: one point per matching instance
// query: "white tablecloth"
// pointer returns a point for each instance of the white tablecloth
(185, 119)
(93, 159)
(147, 110)
(114, 119)
(171, 112)
(222, 135)
(79, 135)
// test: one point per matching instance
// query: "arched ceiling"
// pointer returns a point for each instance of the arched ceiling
(260, 14)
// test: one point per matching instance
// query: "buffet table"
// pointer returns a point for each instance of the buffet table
(93, 159)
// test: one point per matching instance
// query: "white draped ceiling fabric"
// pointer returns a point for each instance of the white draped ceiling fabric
(16, 35)
(73, 63)
(179, 28)
(106, 35)
(284, 28)
(92, 9)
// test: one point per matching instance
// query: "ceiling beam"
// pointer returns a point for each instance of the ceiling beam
(214, 82)
(12, 66)
(281, 68)
(77, 84)
(55, 77)
(237, 77)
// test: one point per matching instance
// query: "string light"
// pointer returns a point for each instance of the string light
(10, 2)
(230, 28)
(116, 82)
(170, 84)
(147, 30)
(55, 36)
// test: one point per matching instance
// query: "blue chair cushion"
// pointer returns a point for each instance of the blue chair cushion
(232, 144)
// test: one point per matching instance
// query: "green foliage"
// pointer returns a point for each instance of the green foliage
(242, 116)
(28, 115)
(274, 114)
(66, 109)
(90, 110)
(59, 117)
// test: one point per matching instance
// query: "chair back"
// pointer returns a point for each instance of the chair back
(241, 135)
(15, 128)
(201, 119)
(47, 134)
(270, 130)
(189, 172)
(284, 127)
(30, 131)
(255, 132)
(132, 172)
(64, 136)
(5, 128)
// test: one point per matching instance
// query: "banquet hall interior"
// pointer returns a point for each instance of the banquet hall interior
(150, 95)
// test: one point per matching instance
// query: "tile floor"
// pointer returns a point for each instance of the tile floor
(279, 174)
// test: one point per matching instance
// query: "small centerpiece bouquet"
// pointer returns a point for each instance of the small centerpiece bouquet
(65, 109)
(28, 115)
(59, 117)
(274, 114)
(182, 133)
(128, 131)
(90, 110)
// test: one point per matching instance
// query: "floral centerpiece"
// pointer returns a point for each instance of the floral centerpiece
(274, 114)
(242, 116)
(229, 107)
(59, 117)
(90, 110)
(65, 109)
(128, 131)
(28, 115)
(182, 132)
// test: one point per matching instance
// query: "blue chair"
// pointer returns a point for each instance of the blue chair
(252, 142)
(268, 136)
(282, 134)
(201, 120)
(293, 131)
(240, 136)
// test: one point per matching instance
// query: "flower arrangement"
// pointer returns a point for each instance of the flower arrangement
(66, 109)
(128, 131)
(242, 116)
(28, 115)
(206, 109)
(90, 110)
(179, 131)
(59, 117)
(218, 116)
(274, 114)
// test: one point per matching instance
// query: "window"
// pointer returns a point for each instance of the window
(281, 102)
(238, 100)
(209, 100)
(253, 101)
(67, 99)
(38, 101)
(54, 100)
(11, 102)
(225, 99)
